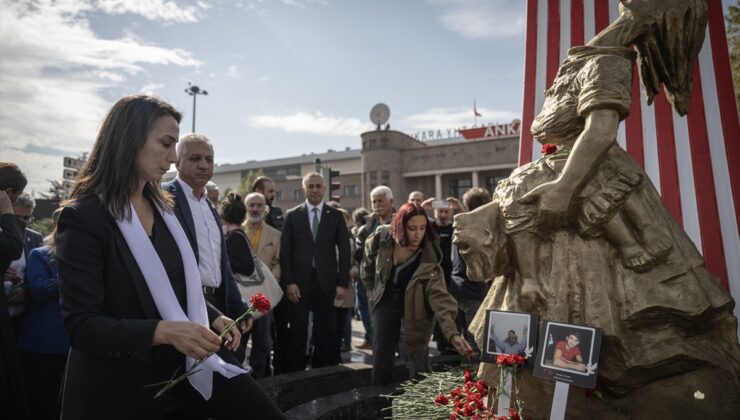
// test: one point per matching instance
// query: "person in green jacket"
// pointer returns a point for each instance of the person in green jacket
(405, 284)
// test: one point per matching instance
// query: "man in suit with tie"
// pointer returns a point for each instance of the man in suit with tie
(202, 225)
(314, 263)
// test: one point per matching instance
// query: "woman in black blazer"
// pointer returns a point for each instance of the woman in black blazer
(132, 308)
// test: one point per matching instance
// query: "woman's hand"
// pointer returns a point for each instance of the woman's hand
(189, 338)
(233, 337)
(461, 345)
(553, 202)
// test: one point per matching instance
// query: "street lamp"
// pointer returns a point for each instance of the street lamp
(194, 91)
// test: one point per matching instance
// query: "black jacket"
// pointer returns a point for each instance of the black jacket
(331, 251)
(229, 301)
(110, 317)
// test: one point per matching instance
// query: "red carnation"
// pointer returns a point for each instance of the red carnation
(513, 414)
(441, 400)
(467, 375)
(549, 148)
(260, 302)
(455, 392)
(501, 360)
(453, 416)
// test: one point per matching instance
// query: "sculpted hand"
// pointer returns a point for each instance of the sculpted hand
(340, 293)
(189, 338)
(553, 202)
(293, 292)
(233, 337)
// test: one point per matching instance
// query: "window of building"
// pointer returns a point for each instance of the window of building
(279, 195)
(281, 172)
(373, 179)
(298, 194)
(385, 177)
(492, 181)
(460, 186)
(350, 191)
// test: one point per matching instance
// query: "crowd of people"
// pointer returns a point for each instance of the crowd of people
(139, 278)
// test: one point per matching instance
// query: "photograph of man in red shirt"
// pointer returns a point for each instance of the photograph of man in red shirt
(568, 353)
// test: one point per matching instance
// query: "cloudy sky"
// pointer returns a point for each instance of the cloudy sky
(284, 77)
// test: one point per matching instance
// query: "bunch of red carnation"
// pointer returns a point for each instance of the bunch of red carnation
(510, 360)
(468, 402)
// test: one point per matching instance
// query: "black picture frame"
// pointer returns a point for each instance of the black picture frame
(507, 321)
(588, 342)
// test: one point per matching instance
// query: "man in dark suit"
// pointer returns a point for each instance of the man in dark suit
(314, 265)
(202, 224)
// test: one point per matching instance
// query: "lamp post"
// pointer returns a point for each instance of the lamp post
(194, 91)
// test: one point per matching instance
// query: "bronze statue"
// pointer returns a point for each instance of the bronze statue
(582, 236)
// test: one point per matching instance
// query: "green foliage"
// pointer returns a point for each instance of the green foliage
(246, 185)
(733, 41)
(43, 226)
(56, 191)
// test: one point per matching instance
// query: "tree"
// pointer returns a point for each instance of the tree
(733, 41)
(56, 191)
(246, 185)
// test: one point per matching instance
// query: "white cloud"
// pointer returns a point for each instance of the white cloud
(263, 79)
(233, 72)
(151, 88)
(483, 19)
(303, 3)
(52, 73)
(316, 124)
(159, 10)
(445, 118)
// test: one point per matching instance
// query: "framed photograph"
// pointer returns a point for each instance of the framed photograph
(507, 333)
(568, 353)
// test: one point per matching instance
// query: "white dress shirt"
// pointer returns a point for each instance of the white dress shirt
(310, 208)
(208, 236)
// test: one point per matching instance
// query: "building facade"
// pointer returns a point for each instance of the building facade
(478, 157)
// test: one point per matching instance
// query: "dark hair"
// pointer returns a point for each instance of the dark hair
(574, 334)
(110, 171)
(259, 183)
(233, 209)
(359, 216)
(476, 197)
(12, 177)
(402, 217)
(512, 332)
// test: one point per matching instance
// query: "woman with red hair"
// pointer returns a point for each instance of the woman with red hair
(402, 273)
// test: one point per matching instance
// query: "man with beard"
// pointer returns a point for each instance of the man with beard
(265, 241)
(509, 346)
(266, 186)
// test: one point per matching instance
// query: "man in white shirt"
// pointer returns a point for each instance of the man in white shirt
(202, 225)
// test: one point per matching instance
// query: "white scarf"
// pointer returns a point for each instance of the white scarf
(164, 297)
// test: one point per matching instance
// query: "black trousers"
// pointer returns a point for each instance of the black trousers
(43, 374)
(291, 321)
(235, 398)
